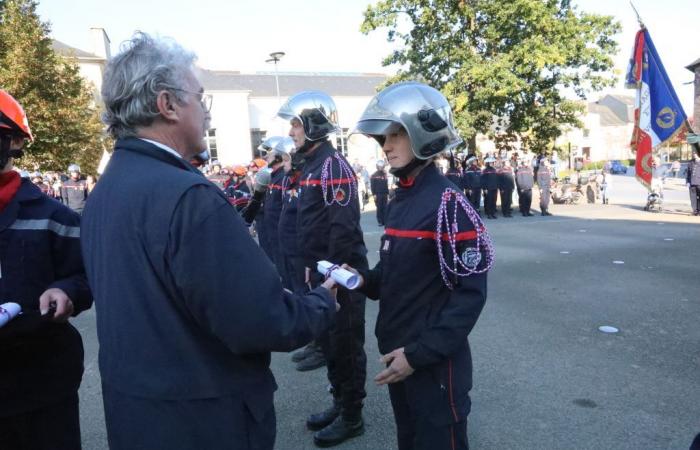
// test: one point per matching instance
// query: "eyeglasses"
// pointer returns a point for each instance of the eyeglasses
(205, 99)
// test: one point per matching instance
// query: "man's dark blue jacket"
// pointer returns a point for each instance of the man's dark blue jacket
(188, 306)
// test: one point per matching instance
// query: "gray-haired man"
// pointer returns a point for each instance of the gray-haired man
(188, 306)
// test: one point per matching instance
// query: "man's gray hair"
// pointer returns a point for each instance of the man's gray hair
(134, 78)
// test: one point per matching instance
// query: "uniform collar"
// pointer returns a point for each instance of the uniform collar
(319, 153)
(152, 150)
(409, 185)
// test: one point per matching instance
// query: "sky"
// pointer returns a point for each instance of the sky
(324, 36)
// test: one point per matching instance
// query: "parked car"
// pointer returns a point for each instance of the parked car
(616, 167)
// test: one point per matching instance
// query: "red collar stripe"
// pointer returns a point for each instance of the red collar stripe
(421, 234)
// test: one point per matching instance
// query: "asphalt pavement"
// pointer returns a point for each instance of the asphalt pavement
(545, 376)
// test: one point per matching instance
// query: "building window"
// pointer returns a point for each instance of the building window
(587, 153)
(211, 143)
(341, 142)
(257, 136)
(586, 132)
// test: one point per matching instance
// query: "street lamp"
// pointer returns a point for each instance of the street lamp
(275, 57)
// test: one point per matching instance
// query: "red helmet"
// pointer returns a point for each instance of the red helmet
(13, 120)
(239, 170)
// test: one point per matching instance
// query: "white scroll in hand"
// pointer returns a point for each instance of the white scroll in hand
(8, 311)
(341, 276)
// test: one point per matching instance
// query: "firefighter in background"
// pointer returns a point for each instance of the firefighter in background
(506, 184)
(217, 176)
(237, 190)
(489, 184)
(276, 149)
(431, 278)
(524, 181)
(544, 181)
(328, 228)
(74, 190)
(380, 191)
(472, 182)
(454, 172)
(41, 353)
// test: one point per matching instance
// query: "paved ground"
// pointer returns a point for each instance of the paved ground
(545, 377)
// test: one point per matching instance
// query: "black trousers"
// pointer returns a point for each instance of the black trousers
(490, 202)
(293, 275)
(343, 347)
(381, 201)
(54, 427)
(506, 201)
(525, 200)
(430, 413)
(694, 200)
(474, 196)
(221, 423)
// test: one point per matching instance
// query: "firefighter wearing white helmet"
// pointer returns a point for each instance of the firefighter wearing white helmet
(328, 218)
(278, 149)
(431, 278)
(74, 190)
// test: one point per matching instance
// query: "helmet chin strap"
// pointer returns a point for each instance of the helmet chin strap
(405, 171)
(5, 152)
(308, 144)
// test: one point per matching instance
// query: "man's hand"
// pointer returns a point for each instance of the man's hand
(398, 369)
(350, 269)
(332, 286)
(56, 297)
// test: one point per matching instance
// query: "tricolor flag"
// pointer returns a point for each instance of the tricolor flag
(658, 115)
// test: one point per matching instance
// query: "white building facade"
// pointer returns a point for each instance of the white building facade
(244, 110)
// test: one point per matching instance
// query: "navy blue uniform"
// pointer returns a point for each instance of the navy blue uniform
(489, 183)
(328, 225)
(524, 181)
(455, 175)
(74, 194)
(380, 190)
(418, 312)
(272, 208)
(472, 185)
(185, 339)
(41, 361)
(506, 185)
(238, 194)
(293, 275)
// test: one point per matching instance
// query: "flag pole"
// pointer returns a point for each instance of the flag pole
(639, 19)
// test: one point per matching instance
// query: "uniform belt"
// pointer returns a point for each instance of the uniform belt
(424, 234)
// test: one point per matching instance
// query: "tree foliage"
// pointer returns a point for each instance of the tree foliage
(506, 66)
(59, 103)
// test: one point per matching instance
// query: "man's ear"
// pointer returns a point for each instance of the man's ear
(167, 105)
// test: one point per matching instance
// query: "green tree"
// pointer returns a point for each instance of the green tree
(59, 103)
(506, 66)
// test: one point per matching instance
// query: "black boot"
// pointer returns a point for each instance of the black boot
(305, 352)
(344, 427)
(312, 362)
(321, 420)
